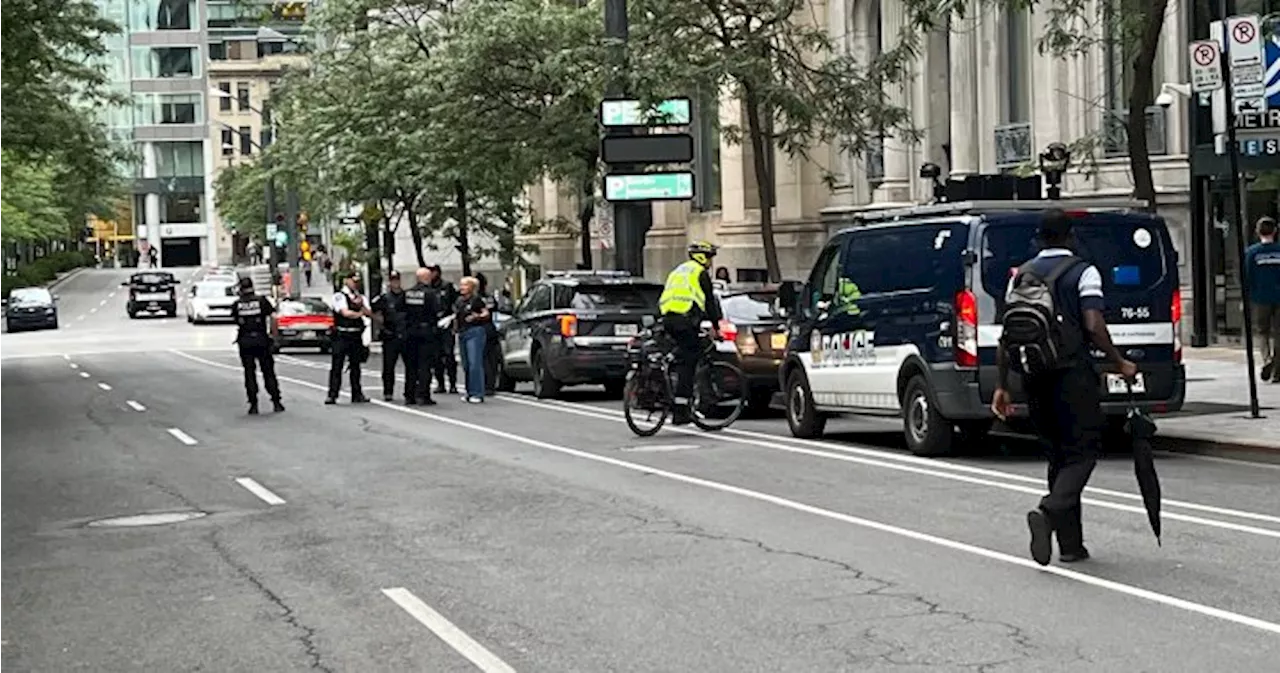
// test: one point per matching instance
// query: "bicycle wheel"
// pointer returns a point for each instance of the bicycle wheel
(644, 403)
(719, 395)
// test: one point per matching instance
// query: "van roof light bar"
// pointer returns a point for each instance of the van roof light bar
(583, 273)
(977, 207)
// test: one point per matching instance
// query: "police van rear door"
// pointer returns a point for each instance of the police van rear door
(1134, 255)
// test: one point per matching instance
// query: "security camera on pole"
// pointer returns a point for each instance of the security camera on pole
(1242, 63)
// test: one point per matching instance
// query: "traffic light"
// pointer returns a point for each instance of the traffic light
(303, 222)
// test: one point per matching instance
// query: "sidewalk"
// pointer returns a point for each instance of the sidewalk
(1216, 412)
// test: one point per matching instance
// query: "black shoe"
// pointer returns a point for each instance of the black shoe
(359, 399)
(253, 408)
(409, 401)
(681, 417)
(441, 390)
(453, 390)
(330, 400)
(388, 397)
(1041, 536)
(277, 406)
(428, 402)
(1080, 554)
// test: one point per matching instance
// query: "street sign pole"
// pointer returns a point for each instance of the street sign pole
(631, 220)
(291, 245)
(1237, 203)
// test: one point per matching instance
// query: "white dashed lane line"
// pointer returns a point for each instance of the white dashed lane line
(102, 303)
(135, 406)
(84, 375)
(445, 630)
(79, 317)
(183, 437)
(93, 310)
(66, 357)
(104, 386)
(260, 491)
(75, 366)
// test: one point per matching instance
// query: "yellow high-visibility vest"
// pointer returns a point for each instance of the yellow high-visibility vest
(683, 290)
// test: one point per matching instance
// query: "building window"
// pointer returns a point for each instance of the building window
(241, 50)
(179, 207)
(179, 110)
(269, 48)
(217, 51)
(165, 62)
(242, 96)
(228, 144)
(224, 100)
(707, 166)
(1017, 104)
(179, 160)
(174, 14)
(246, 140)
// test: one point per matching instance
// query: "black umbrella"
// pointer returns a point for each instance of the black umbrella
(1141, 429)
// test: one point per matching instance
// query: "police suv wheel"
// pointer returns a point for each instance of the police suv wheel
(805, 421)
(926, 431)
(544, 384)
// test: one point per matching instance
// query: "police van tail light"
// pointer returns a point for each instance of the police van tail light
(1175, 310)
(568, 325)
(728, 331)
(966, 346)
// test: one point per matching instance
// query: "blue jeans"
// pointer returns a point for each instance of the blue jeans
(472, 341)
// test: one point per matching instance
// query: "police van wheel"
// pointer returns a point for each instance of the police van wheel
(805, 421)
(926, 431)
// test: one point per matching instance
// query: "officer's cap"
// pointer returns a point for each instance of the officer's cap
(394, 275)
(246, 283)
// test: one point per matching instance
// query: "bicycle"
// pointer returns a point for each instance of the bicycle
(648, 398)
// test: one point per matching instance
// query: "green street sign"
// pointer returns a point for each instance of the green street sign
(670, 112)
(677, 186)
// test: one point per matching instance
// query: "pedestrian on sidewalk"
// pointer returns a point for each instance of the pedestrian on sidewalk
(350, 308)
(1262, 270)
(470, 317)
(1053, 309)
(251, 315)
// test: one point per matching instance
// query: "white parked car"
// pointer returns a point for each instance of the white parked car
(210, 300)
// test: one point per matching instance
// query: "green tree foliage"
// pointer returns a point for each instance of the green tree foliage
(239, 194)
(29, 207)
(799, 90)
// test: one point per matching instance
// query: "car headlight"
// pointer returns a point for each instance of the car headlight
(48, 310)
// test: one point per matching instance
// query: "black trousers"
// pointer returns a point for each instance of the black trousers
(492, 358)
(1066, 408)
(422, 355)
(446, 363)
(253, 356)
(395, 349)
(348, 350)
(683, 330)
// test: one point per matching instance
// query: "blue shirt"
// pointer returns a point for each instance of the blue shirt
(1262, 268)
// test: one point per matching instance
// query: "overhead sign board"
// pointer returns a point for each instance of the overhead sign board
(673, 186)
(674, 148)
(670, 112)
(1206, 66)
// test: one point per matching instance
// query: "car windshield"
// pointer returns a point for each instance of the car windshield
(304, 307)
(596, 297)
(750, 307)
(152, 279)
(30, 296)
(214, 290)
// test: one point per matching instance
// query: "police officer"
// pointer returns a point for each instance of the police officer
(350, 308)
(446, 364)
(251, 314)
(391, 306)
(422, 343)
(687, 300)
(1064, 403)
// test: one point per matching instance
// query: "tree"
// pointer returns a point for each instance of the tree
(239, 194)
(29, 204)
(798, 89)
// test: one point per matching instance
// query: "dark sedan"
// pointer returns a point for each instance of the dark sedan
(31, 308)
(752, 322)
(304, 323)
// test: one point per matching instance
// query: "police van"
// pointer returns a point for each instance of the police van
(900, 315)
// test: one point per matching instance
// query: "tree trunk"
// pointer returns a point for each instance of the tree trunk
(764, 182)
(464, 243)
(416, 233)
(1140, 96)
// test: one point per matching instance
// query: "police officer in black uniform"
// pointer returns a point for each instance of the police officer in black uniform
(251, 314)
(391, 305)
(446, 363)
(422, 344)
(349, 311)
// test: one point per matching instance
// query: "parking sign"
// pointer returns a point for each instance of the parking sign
(1206, 66)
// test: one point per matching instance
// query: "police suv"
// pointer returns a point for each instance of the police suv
(900, 315)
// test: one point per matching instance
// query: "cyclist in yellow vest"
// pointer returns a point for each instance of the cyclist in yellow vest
(687, 300)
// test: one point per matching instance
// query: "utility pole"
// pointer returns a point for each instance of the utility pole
(1237, 202)
(291, 246)
(631, 221)
(272, 259)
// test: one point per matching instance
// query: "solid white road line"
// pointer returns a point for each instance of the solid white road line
(135, 406)
(84, 375)
(183, 437)
(445, 630)
(104, 386)
(260, 491)
(1083, 578)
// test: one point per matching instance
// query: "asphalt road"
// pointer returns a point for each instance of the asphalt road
(541, 536)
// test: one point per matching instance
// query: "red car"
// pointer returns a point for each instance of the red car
(304, 323)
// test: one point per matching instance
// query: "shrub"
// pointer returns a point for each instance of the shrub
(45, 269)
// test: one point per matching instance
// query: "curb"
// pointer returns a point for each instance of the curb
(65, 277)
(1259, 451)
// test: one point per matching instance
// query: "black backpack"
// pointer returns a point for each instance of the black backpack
(1034, 336)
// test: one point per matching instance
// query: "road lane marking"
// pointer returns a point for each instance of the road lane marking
(927, 466)
(93, 310)
(84, 375)
(104, 386)
(80, 317)
(1083, 578)
(183, 437)
(112, 294)
(75, 366)
(102, 303)
(445, 630)
(66, 357)
(260, 491)
(135, 405)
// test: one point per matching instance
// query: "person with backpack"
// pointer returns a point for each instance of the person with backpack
(1053, 311)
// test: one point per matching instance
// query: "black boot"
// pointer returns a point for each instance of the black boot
(253, 408)
(277, 406)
